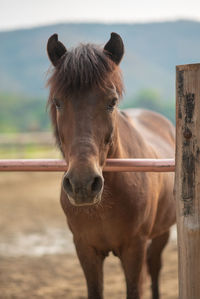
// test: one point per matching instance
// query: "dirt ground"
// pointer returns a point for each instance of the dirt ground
(37, 259)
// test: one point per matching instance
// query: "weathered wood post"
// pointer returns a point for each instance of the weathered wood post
(187, 178)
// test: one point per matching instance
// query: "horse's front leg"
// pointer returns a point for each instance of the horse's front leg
(92, 264)
(132, 258)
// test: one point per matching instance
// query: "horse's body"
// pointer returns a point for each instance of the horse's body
(131, 208)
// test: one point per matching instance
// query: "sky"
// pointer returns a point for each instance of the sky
(16, 14)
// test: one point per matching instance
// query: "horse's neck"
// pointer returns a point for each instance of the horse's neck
(128, 141)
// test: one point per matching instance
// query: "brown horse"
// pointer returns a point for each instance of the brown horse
(117, 212)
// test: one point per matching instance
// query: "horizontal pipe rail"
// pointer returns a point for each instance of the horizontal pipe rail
(114, 165)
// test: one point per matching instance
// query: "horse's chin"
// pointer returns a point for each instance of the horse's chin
(78, 203)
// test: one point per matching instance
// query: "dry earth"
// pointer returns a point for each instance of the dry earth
(37, 258)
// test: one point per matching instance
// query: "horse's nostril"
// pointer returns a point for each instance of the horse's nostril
(67, 185)
(82, 190)
(97, 184)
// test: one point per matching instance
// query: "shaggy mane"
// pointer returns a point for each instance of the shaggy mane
(83, 68)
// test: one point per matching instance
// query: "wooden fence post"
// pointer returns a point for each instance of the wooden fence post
(187, 178)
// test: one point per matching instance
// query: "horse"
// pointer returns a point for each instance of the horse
(126, 213)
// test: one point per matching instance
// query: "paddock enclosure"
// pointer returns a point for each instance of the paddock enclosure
(187, 175)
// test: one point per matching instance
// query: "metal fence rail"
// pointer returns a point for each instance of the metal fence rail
(114, 165)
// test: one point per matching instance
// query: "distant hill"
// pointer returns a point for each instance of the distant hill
(152, 51)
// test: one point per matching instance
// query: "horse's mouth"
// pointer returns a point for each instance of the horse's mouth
(82, 203)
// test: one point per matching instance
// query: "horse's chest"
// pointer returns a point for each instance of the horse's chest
(105, 230)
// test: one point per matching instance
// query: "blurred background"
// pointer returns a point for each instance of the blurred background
(36, 250)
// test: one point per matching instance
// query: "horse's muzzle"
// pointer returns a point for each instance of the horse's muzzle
(83, 190)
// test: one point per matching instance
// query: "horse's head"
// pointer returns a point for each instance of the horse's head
(85, 88)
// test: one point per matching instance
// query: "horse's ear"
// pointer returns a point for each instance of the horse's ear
(55, 49)
(115, 48)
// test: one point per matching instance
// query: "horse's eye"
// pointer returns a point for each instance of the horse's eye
(112, 104)
(57, 103)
